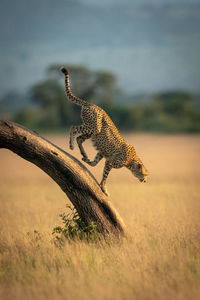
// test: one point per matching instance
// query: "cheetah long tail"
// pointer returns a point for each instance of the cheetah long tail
(68, 91)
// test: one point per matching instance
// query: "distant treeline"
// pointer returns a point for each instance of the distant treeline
(164, 112)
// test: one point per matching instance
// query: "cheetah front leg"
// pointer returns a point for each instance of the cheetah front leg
(106, 171)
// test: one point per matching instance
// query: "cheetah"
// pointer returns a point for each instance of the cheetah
(98, 126)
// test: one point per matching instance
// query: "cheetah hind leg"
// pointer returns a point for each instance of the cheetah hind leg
(96, 160)
(74, 131)
(80, 139)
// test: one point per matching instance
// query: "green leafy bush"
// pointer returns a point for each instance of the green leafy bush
(74, 228)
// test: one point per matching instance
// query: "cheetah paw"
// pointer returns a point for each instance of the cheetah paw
(85, 159)
(104, 190)
(71, 146)
(89, 162)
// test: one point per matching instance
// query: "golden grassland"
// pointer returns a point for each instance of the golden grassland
(161, 259)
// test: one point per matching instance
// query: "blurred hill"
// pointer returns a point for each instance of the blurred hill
(45, 106)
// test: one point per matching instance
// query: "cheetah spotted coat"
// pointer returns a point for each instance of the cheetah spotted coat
(98, 126)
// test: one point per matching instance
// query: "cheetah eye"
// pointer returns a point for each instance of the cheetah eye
(139, 166)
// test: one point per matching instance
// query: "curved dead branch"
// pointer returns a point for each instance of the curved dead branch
(70, 174)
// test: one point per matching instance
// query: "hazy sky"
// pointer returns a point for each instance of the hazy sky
(151, 46)
(156, 2)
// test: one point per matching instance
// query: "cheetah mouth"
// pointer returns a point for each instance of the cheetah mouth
(143, 180)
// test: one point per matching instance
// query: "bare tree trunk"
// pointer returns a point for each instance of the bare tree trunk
(70, 174)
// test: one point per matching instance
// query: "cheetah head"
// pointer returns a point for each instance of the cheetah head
(139, 170)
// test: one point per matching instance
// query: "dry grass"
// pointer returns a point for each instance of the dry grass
(160, 261)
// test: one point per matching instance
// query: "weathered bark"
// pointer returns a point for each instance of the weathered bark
(69, 173)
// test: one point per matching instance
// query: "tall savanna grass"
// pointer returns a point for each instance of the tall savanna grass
(159, 260)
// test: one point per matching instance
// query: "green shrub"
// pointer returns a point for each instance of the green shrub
(74, 228)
